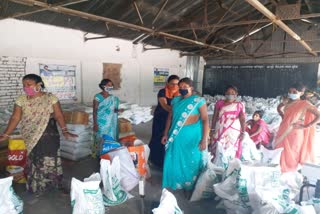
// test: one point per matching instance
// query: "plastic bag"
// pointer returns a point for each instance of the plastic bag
(129, 175)
(109, 144)
(168, 204)
(10, 203)
(140, 155)
(112, 191)
(204, 186)
(249, 151)
(271, 156)
(86, 197)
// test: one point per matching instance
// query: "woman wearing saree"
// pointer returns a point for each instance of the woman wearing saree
(296, 134)
(105, 115)
(227, 128)
(37, 113)
(185, 136)
(160, 115)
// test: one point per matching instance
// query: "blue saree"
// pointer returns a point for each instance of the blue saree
(107, 118)
(183, 158)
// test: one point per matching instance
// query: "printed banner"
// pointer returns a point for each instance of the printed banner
(160, 78)
(59, 80)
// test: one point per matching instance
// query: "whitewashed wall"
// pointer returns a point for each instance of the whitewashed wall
(49, 44)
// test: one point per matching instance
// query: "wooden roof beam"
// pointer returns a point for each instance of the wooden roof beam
(84, 15)
(265, 11)
(239, 23)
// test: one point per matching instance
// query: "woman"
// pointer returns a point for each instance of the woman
(258, 129)
(165, 96)
(296, 133)
(185, 136)
(227, 128)
(105, 114)
(37, 112)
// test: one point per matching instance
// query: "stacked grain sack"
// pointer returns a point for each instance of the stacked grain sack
(77, 123)
(135, 114)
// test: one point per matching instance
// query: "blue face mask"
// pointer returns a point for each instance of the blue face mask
(230, 97)
(108, 89)
(293, 96)
(183, 92)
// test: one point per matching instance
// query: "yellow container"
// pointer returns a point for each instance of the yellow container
(16, 144)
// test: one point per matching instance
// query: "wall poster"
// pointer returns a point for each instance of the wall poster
(59, 80)
(160, 78)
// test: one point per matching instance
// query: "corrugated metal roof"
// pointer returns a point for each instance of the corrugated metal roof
(176, 18)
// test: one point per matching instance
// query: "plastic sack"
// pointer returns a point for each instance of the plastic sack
(17, 153)
(112, 191)
(249, 151)
(224, 155)
(271, 156)
(204, 186)
(10, 203)
(168, 204)
(140, 155)
(109, 144)
(75, 156)
(129, 175)
(86, 197)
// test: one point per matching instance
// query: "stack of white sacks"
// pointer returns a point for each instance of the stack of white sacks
(79, 147)
(135, 114)
(254, 184)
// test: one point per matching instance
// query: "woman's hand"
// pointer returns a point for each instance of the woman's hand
(203, 145)
(69, 136)
(241, 136)
(164, 139)
(299, 126)
(212, 133)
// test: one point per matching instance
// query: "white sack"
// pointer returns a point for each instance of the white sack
(10, 203)
(86, 197)
(168, 204)
(112, 191)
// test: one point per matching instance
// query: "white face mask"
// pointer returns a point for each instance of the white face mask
(108, 89)
(293, 96)
(230, 97)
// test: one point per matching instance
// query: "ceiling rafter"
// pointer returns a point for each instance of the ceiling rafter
(62, 4)
(84, 15)
(239, 23)
(265, 11)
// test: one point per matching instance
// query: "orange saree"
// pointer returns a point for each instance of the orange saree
(297, 143)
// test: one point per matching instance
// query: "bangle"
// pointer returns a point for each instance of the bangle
(64, 128)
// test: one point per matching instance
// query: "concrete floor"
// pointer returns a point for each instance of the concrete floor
(59, 202)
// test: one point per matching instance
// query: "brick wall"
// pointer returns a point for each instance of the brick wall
(12, 69)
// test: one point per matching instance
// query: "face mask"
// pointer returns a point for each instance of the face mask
(108, 89)
(230, 97)
(183, 92)
(29, 91)
(293, 96)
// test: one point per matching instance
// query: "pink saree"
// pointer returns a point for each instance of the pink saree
(297, 143)
(227, 133)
